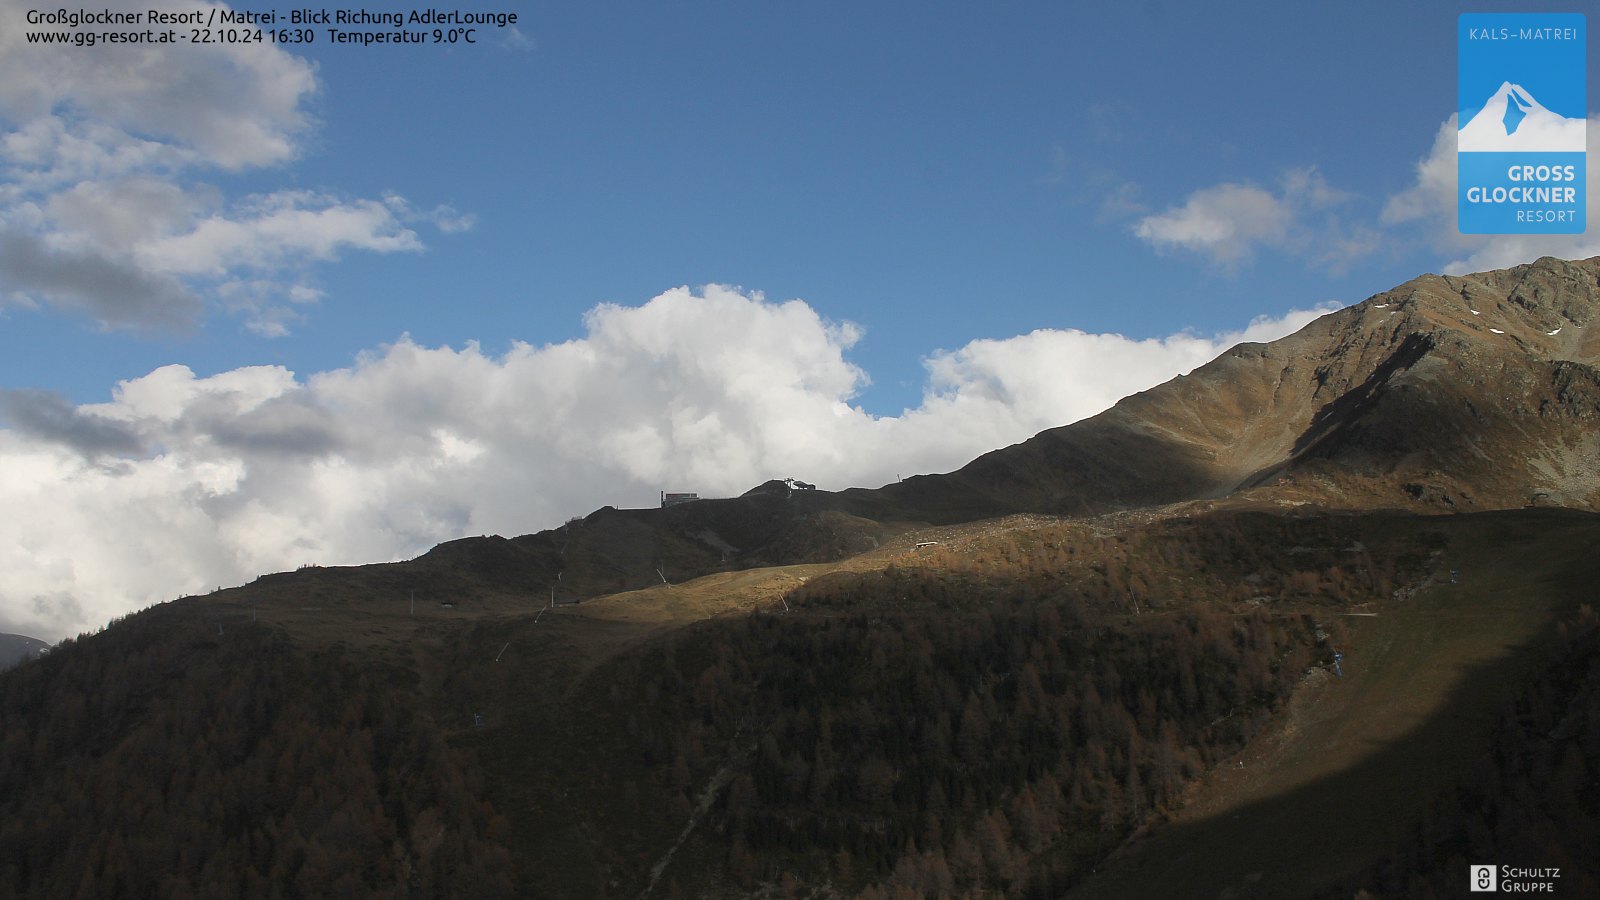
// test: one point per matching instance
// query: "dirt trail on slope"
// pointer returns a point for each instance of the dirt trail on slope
(1344, 775)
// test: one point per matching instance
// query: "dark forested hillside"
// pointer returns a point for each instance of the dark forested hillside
(1000, 713)
(1532, 800)
(161, 759)
(1001, 749)
(994, 714)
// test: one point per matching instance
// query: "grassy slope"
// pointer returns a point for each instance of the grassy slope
(1343, 777)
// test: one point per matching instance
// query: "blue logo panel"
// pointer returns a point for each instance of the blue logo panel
(1522, 131)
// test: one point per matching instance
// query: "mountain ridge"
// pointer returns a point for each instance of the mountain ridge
(1416, 398)
(1317, 402)
(18, 648)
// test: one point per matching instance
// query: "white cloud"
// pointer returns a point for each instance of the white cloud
(1228, 222)
(1430, 204)
(180, 483)
(1225, 221)
(516, 40)
(235, 106)
(103, 152)
(1435, 190)
(269, 231)
(269, 307)
(112, 290)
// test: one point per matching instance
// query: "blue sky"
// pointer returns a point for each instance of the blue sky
(898, 167)
(996, 218)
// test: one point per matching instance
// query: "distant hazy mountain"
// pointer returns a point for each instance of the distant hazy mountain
(15, 648)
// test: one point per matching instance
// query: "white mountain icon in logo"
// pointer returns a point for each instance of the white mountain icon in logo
(1512, 120)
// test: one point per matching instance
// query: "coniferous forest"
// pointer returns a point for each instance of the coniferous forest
(161, 759)
(992, 716)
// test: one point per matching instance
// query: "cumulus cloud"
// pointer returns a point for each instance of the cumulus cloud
(51, 418)
(114, 291)
(179, 483)
(105, 209)
(1225, 221)
(1228, 222)
(1429, 204)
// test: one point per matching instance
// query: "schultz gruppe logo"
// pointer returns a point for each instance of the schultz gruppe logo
(1521, 140)
(1513, 879)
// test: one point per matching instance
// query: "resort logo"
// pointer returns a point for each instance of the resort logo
(1522, 137)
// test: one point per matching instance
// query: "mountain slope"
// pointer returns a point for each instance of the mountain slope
(16, 648)
(1341, 779)
(1471, 392)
